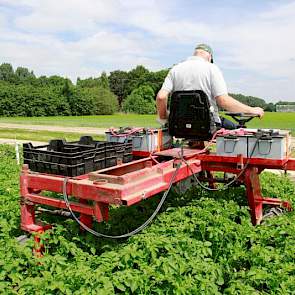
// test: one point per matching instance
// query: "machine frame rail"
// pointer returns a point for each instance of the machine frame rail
(129, 183)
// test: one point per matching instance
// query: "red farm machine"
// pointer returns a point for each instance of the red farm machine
(134, 164)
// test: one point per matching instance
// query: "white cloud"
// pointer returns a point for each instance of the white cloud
(281, 13)
(265, 47)
(67, 15)
(121, 34)
(86, 57)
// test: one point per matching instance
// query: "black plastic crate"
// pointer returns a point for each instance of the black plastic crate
(75, 158)
(127, 157)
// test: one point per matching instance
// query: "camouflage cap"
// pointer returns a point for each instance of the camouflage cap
(207, 48)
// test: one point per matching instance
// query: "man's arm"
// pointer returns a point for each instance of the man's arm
(232, 105)
(161, 101)
(162, 98)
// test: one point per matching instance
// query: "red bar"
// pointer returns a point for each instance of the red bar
(81, 208)
(251, 179)
(267, 163)
(84, 188)
(273, 201)
(290, 165)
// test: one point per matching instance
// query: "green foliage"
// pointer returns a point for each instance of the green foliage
(93, 101)
(101, 81)
(22, 94)
(123, 83)
(270, 107)
(201, 243)
(7, 73)
(118, 84)
(255, 102)
(140, 101)
(28, 100)
(156, 79)
(250, 100)
(23, 75)
(20, 75)
(285, 103)
(136, 77)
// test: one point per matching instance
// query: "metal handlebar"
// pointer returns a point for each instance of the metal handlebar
(241, 118)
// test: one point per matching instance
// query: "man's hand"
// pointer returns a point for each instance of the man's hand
(257, 111)
(163, 122)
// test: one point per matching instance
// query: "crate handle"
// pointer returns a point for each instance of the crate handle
(139, 145)
(270, 141)
(226, 140)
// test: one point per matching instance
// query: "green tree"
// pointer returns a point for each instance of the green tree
(270, 107)
(104, 80)
(24, 75)
(29, 100)
(54, 81)
(101, 81)
(93, 101)
(118, 84)
(285, 102)
(140, 101)
(136, 78)
(250, 100)
(156, 79)
(67, 89)
(7, 73)
(106, 103)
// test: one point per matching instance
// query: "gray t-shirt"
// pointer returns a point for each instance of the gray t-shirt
(195, 73)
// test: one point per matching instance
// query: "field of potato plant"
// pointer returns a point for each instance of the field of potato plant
(201, 243)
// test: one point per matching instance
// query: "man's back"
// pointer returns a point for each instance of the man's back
(197, 74)
(191, 74)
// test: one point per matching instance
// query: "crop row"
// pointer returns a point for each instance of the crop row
(201, 243)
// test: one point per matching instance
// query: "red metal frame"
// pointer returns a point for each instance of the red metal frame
(127, 184)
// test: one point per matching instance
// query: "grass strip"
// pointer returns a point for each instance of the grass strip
(105, 121)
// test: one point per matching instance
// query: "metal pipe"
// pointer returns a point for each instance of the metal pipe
(54, 212)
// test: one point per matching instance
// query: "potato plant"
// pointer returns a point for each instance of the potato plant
(201, 243)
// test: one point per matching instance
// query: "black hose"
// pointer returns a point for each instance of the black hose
(227, 185)
(135, 231)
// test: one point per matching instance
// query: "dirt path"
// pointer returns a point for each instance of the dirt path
(82, 130)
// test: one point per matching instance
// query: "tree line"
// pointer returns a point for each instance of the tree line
(24, 94)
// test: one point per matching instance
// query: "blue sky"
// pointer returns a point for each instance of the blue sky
(253, 41)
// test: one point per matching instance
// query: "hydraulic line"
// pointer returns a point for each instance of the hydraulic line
(227, 185)
(135, 231)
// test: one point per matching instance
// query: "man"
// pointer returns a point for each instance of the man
(199, 73)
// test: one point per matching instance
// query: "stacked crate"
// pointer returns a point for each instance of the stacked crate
(75, 158)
